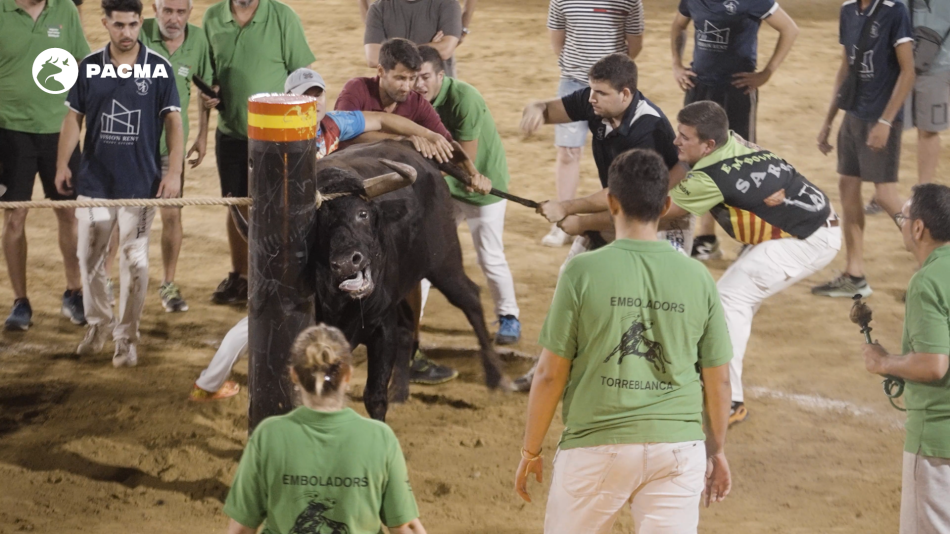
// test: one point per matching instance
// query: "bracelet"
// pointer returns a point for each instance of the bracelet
(465, 31)
(882, 120)
(529, 456)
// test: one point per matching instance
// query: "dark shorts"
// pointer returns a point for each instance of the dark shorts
(740, 107)
(22, 155)
(231, 154)
(856, 159)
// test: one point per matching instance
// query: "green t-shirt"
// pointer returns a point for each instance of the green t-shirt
(927, 329)
(24, 107)
(465, 114)
(192, 57)
(638, 320)
(311, 471)
(254, 59)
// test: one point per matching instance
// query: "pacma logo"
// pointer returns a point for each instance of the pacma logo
(125, 71)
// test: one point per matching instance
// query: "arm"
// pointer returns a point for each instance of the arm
(634, 28)
(543, 112)
(555, 211)
(905, 82)
(920, 367)
(550, 378)
(412, 527)
(374, 34)
(236, 528)
(578, 225)
(832, 112)
(201, 140)
(170, 186)
(557, 41)
(445, 46)
(468, 11)
(364, 7)
(470, 148)
(380, 126)
(634, 45)
(718, 396)
(682, 75)
(372, 54)
(68, 139)
(787, 33)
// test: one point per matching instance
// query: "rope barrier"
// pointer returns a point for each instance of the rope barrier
(128, 202)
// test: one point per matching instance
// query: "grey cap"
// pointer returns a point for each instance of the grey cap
(302, 79)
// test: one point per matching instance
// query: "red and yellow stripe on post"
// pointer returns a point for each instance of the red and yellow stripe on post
(281, 118)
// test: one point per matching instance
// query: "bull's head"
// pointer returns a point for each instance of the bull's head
(349, 228)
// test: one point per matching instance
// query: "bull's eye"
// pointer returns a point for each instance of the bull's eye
(363, 214)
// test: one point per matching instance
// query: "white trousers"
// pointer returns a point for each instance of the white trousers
(95, 231)
(925, 495)
(232, 347)
(661, 482)
(487, 224)
(762, 271)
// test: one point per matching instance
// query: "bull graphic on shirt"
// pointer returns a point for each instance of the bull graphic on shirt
(47, 73)
(313, 521)
(633, 342)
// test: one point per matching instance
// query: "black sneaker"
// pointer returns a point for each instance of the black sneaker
(21, 316)
(231, 290)
(428, 373)
(72, 307)
(706, 247)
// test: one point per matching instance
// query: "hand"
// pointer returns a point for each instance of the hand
(207, 101)
(775, 199)
(874, 358)
(552, 210)
(571, 225)
(532, 118)
(823, 145)
(480, 184)
(750, 81)
(521, 477)
(718, 479)
(438, 36)
(444, 150)
(422, 145)
(170, 187)
(684, 77)
(64, 181)
(201, 148)
(877, 139)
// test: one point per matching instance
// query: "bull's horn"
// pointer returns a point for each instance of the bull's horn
(404, 176)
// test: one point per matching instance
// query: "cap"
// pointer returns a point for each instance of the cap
(302, 79)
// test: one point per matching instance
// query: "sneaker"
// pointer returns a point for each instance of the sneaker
(72, 307)
(509, 330)
(125, 354)
(523, 382)
(873, 208)
(231, 290)
(556, 238)
(706, 247)
(94, 340)
(171, 298)
(738, 413)
(228, 390)
(21, 316)
(844, 285)
(426, 372)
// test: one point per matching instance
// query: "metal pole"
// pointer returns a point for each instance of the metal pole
(281, 157)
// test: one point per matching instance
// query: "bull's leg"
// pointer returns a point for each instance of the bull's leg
(380, 351)
(405, 345)
(462, 293)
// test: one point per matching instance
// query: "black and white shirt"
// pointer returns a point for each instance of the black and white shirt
(594, 29)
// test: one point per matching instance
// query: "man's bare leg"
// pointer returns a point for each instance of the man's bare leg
(14, 249)
(928, 155)
(852, 224)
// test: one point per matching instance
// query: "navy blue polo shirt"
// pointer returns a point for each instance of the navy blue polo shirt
(727, 36)
(124, 122)
(879, 67)
(643, 126)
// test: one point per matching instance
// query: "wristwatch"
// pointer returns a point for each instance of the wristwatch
(465, 31)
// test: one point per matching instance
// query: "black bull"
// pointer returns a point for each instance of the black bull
(367, 255)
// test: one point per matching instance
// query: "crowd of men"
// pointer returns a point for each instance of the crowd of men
(709, 167)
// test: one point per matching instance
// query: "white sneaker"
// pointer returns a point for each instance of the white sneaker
(94, 340)
(125, 355)
(556, 238)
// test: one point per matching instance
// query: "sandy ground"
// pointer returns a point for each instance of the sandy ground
(84, 447)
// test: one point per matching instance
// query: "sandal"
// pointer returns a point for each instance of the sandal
(228, 390)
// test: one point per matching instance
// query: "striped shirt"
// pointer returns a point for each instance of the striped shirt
(594, 29)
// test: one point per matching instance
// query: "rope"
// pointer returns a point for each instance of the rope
(128, 202)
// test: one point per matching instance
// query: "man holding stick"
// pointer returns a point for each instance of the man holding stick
(923, 363)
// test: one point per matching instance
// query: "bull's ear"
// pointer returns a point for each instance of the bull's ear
(391, 211)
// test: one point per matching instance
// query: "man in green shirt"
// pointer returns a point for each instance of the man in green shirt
(186, 48)
(466, 116)
(30, 119)
(923, 362)
(633, 328)
(255, 44)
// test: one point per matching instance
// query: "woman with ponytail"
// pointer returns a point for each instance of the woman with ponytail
(322, 467)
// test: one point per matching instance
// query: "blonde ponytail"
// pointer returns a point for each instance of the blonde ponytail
(321, 357)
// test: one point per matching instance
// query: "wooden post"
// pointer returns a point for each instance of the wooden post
(281, 156)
